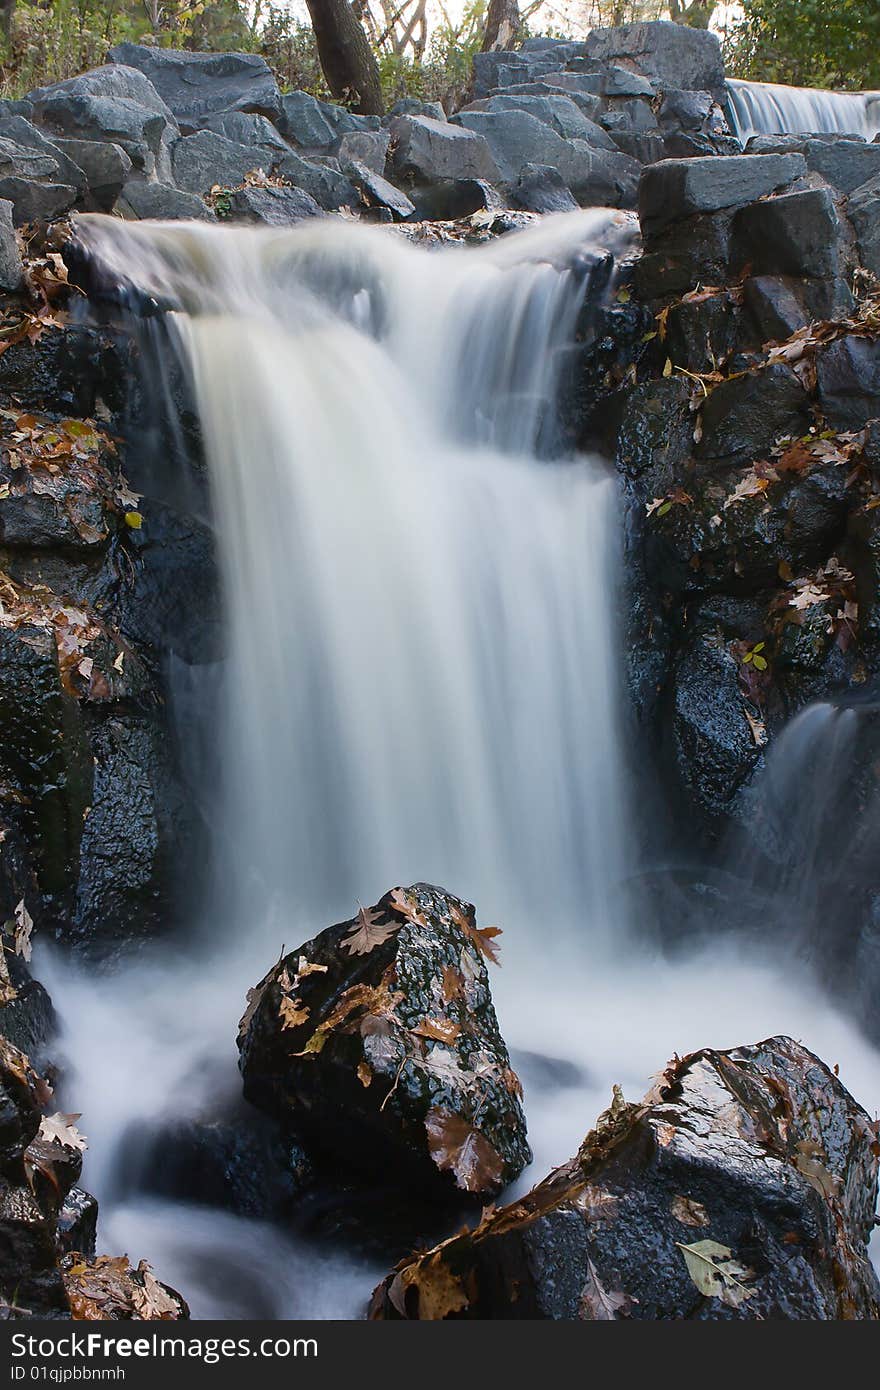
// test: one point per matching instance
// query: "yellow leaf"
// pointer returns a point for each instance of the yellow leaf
(134, 520)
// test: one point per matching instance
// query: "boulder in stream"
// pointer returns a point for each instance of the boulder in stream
(741, 1188)
(377, 1042)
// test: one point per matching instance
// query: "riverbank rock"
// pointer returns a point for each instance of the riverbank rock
(741, 1188)
(197, 86)
(377, 1041)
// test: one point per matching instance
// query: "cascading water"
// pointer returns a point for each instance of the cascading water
(421, 683)
(768, 108)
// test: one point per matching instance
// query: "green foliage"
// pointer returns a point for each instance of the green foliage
(808, 43)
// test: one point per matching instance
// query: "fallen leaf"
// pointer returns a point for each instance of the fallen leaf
(364, 1074)
(62, 1130)
(596, 1303)
(689, 1212)
(24, 925)
(715, 1272)
(292, 1013)
(152, 1302)
(440, 1029)
(456, 1147)
(369, 932)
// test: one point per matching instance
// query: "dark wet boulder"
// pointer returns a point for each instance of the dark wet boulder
(863, 209)
(428, 151)
(376, 192)
(713, 746)
(322, 179)
(671, 55)
(11, 268)
(779, 305)
(744, 416)
(685, 255)
(270, 206)
(796, 233)
(27, 1018)
(377, 1042)
(172, 602)
(77, 1227)
(541, 188)
(246, 128)
(198, 85)
(741, 1188)
(656, 434)
(453, 198)
(703, 330)
(676, 189)
(849, 381)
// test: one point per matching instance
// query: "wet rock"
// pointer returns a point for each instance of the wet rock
(863, 208)
(793, 234)
(741, 1188)
(671, 55)
(712, 744)
(202, 160)
(11, 269)
(377, 192)
(849, 382)
(745, 415)
(102, 1287)
(863, 553)
(377, 1042)
(678, 188)
(540, 188)
(64, 371)
(106, 168)
(137, 833)
(140, 199)
(27, 1018)
(77, 1227)
(428, 151)
(453, 198)
(778, 305)
(656, 434)
(702, 332)
(199, 85)
(172, 604)
(324, 181)
(684, 255)
(272, 207)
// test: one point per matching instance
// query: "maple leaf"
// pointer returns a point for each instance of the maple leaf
(292, 1013)
(596, 1303)
(807, 596)
(481, 937)
(62, 1130)
(369, 932)
(439, 1029)
(440, 1292)
(456, 1147)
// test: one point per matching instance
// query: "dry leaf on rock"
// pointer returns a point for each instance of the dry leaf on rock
(597, 1304)
(369, 932)
(456, 1147)
(716, 1273)
(63, 1130)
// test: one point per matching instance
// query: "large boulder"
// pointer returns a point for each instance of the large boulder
(106, 168)
(271, 207)
(201, 161)
(116, 104)
(671, 55)
(23, 133)
(793, 234)
(324, 181)
(744, 416)
(554, 109)
(863, 207)
(679, 188)
(142, 199)
(741, 1188)
(427, 151)
(377, 1042)
(197, 86)
(849, 381)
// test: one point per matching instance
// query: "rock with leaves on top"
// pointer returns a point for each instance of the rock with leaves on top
(742, 1187)
(377, 1043)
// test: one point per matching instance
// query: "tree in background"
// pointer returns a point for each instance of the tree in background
(504, 25)
(808, 43)
(347, 59)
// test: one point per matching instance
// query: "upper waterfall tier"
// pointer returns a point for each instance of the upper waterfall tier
(768, 108)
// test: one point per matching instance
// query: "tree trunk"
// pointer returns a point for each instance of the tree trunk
(503, 25)
(347, 60)
(7, 9)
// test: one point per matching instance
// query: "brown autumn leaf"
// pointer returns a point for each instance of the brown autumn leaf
(24, 925)
(403, 903)
(440, 1292)
(359, 1001)
(451, 984)
(456, 1147)
(8, 992)
(364, 1074)
(440, 1029)
(597, 1304)
(292, 1013)
(152, 1301)
(481, 937)
(369, 932)
(689, 1212)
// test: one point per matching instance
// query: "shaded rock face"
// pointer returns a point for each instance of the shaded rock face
(378, 1042)
(197, 86)
(671, 55)
(742, 1188)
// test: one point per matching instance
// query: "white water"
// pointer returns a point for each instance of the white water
(422, 684)
(768, 108)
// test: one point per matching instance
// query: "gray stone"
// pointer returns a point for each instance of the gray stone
(202, 160)
(411, 106)
(115, 82)
(325, 182)
(587, 102)
(11, 271)
(198, 85)
(541, 188)
(555, 110)
(744, 416)
(596, 177)
(793, 234)
(304, 120)
(623, 82)
(160, 202)
(780, 305)
(684, 110)
(863, 207)
(429, 151)
(671, 55)
(37, 202)
(22, 132)
(647, 146)
(377, 192)
(105, 166)
(582, 83)
(633, 115)
(501, 68)
(368, 147)
(678, 188)
(272, 207)
(18, 161)
(246, 128)
(116, 104)
(845, 164)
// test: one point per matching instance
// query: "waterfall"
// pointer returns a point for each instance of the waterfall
(422, 681)
(768, 108)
